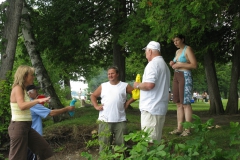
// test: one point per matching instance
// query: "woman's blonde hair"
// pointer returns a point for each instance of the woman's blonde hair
(21, 74)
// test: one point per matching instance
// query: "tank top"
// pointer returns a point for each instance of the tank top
(113, 100)
(18, 114)
(182, 58)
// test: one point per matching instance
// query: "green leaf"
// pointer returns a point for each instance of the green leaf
(195, 154)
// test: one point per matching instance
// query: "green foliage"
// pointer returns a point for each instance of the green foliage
(5, 109)
(199, 80)
(224, 77)
(235, 134)
(68, 39)
(199, 146)
(62, 93)
(98, 76)
(134, 65)
(201, 21)
(234, 140)
(108, 151)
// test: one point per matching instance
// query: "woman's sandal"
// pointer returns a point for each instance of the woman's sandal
(185, 133)
(175, 132)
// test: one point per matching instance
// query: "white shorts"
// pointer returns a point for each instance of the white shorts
(153, 123)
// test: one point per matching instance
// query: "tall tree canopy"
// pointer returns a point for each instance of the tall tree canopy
(209, 26)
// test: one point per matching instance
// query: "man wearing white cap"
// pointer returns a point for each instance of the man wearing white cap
(154, 92)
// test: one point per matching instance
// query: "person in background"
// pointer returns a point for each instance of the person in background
(83, 98)
(38, 112)
(198, 96)
(80, 93)
(183, 62)
(112, 115)
(154, 92)
(22, 136)
(195, 96)
(204, 96)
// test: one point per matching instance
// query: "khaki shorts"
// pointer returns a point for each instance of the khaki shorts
(117, 131)
(153, 123)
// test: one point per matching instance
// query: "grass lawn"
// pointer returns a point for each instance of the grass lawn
(84, 121)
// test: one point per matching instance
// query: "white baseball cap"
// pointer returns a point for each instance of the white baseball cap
(153, 45)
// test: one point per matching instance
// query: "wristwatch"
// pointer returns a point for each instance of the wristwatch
(137, 86)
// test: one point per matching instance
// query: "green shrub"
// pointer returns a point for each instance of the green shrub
(5, 110)
(198, 146)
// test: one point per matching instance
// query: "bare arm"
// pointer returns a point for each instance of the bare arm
(192, 64)
(129, 90)
(60, 111)
(94, 97)
(17, 96)
(145, 86)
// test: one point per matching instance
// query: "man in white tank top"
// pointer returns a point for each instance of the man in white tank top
(112, 114)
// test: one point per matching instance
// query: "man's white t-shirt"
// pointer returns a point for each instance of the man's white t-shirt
(155, 101)
(113, 99)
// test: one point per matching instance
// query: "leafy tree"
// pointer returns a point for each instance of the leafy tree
(10, 36)
(75, 39)
(120, 15)
(199, 79)
(232, 105)
(36, 61)
(9, 33)
(204, 22)
(97, 24)
(224, 74)
(95, 81)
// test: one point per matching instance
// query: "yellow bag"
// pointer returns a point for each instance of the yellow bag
(136, 92)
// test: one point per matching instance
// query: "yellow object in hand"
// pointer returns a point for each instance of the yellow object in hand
(136, 92)
(138, 78)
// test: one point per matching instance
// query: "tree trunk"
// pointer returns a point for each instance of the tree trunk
(67, 84)
(232, 104)
(216, 106)
(37, 63)
(119, 60)
(10, 36)
(118, 51)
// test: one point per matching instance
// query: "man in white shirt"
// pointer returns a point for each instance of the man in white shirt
(112, 114)
(154, 92)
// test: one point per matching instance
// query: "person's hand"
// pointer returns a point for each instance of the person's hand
(171, 63)
(126, 105)
(176, 65)
(43, 100)
(99, 107)
(135, 84)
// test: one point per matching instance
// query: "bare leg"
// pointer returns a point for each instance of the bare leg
(188, 112)
(180, 116)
